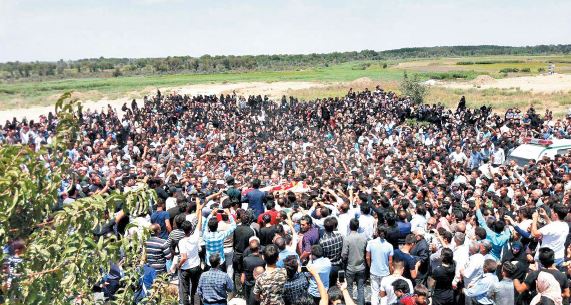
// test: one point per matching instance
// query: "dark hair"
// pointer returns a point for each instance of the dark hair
(317, 251)
(410, 239)
(179, 219)
(499, 226)
(307, 219)
(186, 227)
(447, 256)
(354, 224)
(271, 254)
(561, 211)
(266, 218)
(509, 268)
(421, 210)
(546, 257)
(391, 218)
(280, 243)
(401, 285)
(421, 290)
(214, 259)
(365, 209)
(490, 265)
(335, 294)
(291, 265)
(213, 224)
(446, 235)
(480, 232)
(330, 224)
(256, 183)
(270, 204)
(382, 232)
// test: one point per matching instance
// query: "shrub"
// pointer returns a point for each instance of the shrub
(385, 65)
(508, 70)
(451, 75)
(526, 70)
(361, 66)
(413, 88)
(540, 70)
(117, 72)
(465, 63)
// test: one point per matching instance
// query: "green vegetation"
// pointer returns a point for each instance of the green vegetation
(63, 258)
(489, 62)
(414, 88)
(450, 75)
(109, 67)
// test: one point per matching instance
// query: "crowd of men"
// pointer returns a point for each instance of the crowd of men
(294, 202)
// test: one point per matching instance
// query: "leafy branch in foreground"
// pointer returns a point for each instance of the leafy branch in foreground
(63, 259)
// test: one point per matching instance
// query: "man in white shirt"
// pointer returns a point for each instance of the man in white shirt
(189, 263)
(554, 234)
(419, 219)
(472, 269)
(498, 156)
(366, 221)
(457, 156)
(388, 296)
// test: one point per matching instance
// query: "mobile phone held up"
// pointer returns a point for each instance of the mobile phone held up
(341, 276)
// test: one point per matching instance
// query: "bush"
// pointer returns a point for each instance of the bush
(451, 75)
(526, 70)
(413, 88)
(541, 70)
(465, 63)
(385, 65)
(117, 72)
(508, 70)
(361, 66)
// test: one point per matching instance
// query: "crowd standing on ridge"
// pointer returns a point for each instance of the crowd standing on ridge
(294, 202)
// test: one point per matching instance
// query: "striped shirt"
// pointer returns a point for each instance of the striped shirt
(158, 252)
(174, 237)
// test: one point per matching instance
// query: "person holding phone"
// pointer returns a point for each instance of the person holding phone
(554, 234)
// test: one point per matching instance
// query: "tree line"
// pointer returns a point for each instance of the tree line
(109, 67)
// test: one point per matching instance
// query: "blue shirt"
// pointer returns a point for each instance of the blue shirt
(380, 250)
(475, 159)
(214, 241)
(159, 217)
(214, 285)
(255, 199)
(479, 291)
(323, 267)
(283, 254)
(498, 240)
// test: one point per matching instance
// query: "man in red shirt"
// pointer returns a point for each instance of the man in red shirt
(271, 210)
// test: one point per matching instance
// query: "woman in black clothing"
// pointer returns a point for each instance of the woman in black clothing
(443, 274)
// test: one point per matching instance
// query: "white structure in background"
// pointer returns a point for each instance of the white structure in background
(551, 69)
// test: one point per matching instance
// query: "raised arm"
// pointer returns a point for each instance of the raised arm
(322, 291)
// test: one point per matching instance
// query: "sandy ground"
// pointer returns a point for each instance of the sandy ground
(540, 84)
(274, 90)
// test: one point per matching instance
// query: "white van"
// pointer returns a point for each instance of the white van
(536, 149)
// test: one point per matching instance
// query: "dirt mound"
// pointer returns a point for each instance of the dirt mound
(362, 82)
(483, 80)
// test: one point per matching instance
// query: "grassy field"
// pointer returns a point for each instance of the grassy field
(26, 94)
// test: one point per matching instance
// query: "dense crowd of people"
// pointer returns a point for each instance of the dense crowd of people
(294, 202)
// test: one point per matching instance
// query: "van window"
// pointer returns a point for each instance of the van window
(562, 151)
